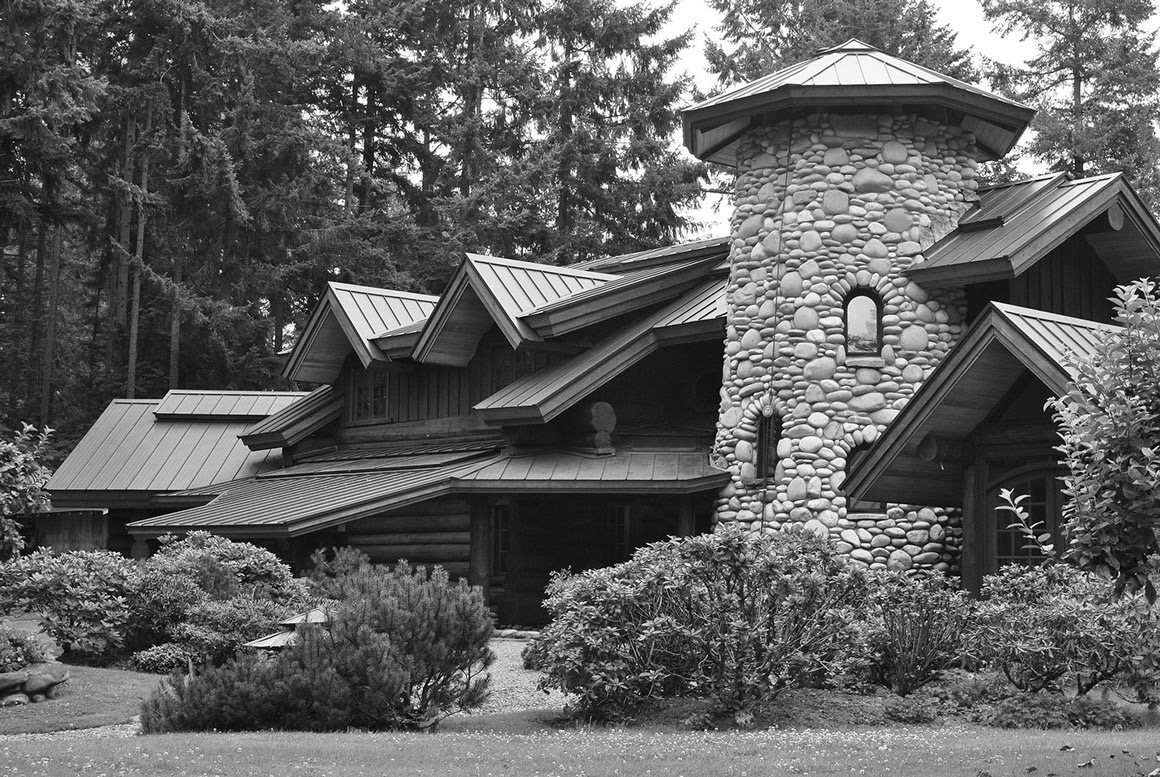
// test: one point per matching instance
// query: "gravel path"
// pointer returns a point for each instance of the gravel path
(513, 688)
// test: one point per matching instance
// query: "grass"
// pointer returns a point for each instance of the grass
(899, 751)
(91, 697)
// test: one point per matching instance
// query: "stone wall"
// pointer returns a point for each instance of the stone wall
(828, 205)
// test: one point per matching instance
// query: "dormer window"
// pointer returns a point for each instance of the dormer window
(863, 316)
(768, 436)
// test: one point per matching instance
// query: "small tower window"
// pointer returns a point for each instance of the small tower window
(863, 324)
(768, 436)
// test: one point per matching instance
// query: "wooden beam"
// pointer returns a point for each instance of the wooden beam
(479, 563)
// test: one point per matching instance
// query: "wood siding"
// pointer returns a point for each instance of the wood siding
(435, 532)
(399, 393)
(1070, 281)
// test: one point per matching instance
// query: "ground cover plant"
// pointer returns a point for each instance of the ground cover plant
(403, 648)
(898, 751)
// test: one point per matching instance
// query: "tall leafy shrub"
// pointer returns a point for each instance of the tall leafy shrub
(1110, 423)
(82, 597)
(22, 481)
(731, 616)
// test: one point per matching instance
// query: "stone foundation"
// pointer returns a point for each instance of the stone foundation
(826, 206)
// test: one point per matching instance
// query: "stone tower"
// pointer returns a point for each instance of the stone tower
(849, 166)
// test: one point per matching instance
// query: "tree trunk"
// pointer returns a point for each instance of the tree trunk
(175, 326)
(50, 334)
(138, 266)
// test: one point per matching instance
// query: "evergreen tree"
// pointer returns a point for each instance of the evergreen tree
(765, 35)
(1095, 82)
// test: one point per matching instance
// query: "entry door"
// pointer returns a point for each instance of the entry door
(1040, 481)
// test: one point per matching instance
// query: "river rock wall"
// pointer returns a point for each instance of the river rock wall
(826, 206)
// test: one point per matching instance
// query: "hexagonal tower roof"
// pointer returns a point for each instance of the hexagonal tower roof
(854, 77)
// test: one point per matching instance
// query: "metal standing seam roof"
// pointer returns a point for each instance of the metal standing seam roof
(492, 290)
(130, 453)
(293, 505)
(302, 499)
(544, 394)
(845, 77)
(296, 421)
(210, 405)
(1002, 344)
(655, 256)
(631, 292)
(1015, 225)
(350, 317)
(635, 471)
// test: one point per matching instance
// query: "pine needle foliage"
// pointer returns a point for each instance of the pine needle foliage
(403, 649)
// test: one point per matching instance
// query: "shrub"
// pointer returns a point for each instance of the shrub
(326, 566)
(210, 594)
(18, 649)
(730, 616)
(1086, 712)
(22, 481)
(160, 659)
(918, 629)
(81, 596)
(404, 649)
(1039, 625)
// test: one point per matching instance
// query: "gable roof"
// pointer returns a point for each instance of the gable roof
(350, 318)
(132, 452)
(487, 290)
(1014, 225)
(1002, 345)
(296, 421)
(543, 395)
(849, 77)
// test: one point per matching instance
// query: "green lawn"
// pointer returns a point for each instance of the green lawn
(91, 697)
(904, 751)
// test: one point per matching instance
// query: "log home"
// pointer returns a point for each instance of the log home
(871, 294)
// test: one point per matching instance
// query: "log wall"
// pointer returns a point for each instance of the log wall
(435, 532)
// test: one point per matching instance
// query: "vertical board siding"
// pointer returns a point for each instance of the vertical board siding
(427, 391)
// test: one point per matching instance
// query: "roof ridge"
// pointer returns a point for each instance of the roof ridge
(1008, 309)
(382, 291)
(562, 269)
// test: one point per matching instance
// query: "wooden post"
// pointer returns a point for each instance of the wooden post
(479, 563)
(973, 527)
(686, 522)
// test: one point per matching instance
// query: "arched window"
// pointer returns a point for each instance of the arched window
(768, 435)
(863, 324)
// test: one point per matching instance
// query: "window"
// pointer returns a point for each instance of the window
(617, 541)
(501, 539)
(1039, 481)
(368, 395)
(768, 436)
(863, 324)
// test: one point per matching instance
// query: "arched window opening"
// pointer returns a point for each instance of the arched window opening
(768, 436)
(863, 324)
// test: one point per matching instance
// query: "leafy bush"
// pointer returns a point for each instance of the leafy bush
(82, 597)
(1109, 420)
(161, 659)
(209, 595)
(404, 649)
(1041, 624)
(22, 481)
(1086, 712)
(730, 616)
(918, 629)
(971, 695)
(18, 649)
